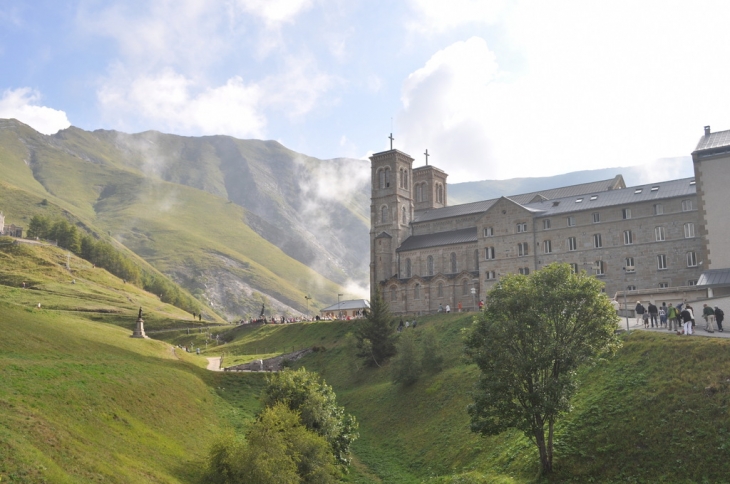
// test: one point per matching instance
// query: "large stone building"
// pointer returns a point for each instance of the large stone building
(425, 253)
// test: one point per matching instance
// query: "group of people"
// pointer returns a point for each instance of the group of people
(407, 324)
(680, 318)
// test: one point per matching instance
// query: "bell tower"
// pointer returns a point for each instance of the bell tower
(391, 211)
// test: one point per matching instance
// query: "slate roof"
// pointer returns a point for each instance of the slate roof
(714, 141)
(522, 199)
(348, 305)
(439, 238)
(715, 277)
(625, 196)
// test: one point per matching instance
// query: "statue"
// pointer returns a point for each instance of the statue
(263, 308)
(140, 313)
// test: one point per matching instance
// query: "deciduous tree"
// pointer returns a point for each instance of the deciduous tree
(528, 343)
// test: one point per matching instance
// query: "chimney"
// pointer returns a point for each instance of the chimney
(707, 131)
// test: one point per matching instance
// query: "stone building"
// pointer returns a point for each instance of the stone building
(425, 253)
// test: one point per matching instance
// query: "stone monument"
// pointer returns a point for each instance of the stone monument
(139, 330)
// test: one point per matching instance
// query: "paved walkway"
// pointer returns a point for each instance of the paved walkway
(214, 363)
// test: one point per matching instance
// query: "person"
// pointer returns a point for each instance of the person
(407, 324)
(400, 326)
(441, 308)
(692, 314)
(719, 318)
(640, 311)
(448, 308)
(666, 314)
(459, 306)
(686, 316)
(662, 316)
(709, 316)
(653, 312)
(414, 324)
(616, 305)
(481, 304)
(673, 315)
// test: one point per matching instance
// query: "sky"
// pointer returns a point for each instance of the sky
(493, 89)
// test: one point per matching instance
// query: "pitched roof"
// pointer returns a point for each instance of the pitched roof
(714, 277)
(714, 141)
(348, 305)
(639, 193)
(460, 236)
(522, 199)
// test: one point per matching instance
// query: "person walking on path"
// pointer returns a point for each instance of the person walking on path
(640, 311)
(709, 315)
(687, 319)
(662, 316)
(719, 318)
(673, 316)
(653, 312)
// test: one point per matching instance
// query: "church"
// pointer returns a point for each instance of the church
(425, 254)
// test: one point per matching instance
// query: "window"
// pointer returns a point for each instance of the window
(628, 237)
(691, 259)
(572, 244)
(384, 215)
(578, 200)
(626, 213)
(417, 292)
(441, 289)
(522, 249)
(419, 192)
(574, 268)
(594, 197)
(600, 268)
(631, 288)
(661, 262)
(597, 241)
(686, 205)
(571, 221)
(630, 267)
(689, 230)
(404, 215)
(490, 275)
(408, 268)
(546, 224)
(659, 234)
(658, 209)
(596, 217)
(692, 282)
(464, 287)
(476, 259)
(525, 271)
(440, 193)
(393, 294)
(453, 262)
(547, 246)
(381, 179)
(405, 179)
(488, 231)
(521, 227)
(655, 188)
(638, 190)
(663, 285)
(429, 265)
(401, 180)
(489, 253)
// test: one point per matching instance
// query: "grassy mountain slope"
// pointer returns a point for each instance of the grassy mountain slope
(81, 401)
(657, 412)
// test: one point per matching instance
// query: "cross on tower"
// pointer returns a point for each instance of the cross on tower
(391, 140)
(427, 155)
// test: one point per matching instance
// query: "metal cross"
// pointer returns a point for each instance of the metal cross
(391, 140)
(427, 155)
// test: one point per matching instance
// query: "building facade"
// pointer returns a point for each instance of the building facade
(426, 254)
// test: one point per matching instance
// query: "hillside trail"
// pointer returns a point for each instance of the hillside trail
(214, 363)
(699, 329)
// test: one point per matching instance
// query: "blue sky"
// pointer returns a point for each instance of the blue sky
(493, 89)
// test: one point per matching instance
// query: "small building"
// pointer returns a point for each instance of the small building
(12, 231)
(353, 308)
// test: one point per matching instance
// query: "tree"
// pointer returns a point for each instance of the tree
(279, 449)
(528, 343)
(432, 359)
(315, 401)
(406, 366)
(39, 226)
(376, 334)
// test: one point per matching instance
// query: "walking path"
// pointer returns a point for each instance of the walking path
(699, 329)
(214, 363)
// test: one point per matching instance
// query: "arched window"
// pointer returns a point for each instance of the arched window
(441, 290)
(402, 179)
(440, 193)
(408, 267)
(429, 265)
(393, 294)
(417, 292)
(464, 287)
(419, 193)
(387, 177)
(403, 210)
(384, 214)
(405, 179)
(381, 179)
(453, 262)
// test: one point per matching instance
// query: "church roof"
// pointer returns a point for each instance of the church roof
(460, 236)
(714, 141)
(522, 199)
(639, 193)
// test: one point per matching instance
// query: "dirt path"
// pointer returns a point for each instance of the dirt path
(214, 364)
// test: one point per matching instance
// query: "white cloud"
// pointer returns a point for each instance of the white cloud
(275, 11)
(435, 16)
(22, 104)
(177, 104)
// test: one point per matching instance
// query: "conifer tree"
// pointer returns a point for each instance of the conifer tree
(376, 333)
